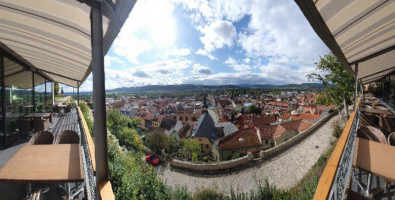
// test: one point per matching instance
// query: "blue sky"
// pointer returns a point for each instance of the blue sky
(212, 43)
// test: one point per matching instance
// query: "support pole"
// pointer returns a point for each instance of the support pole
(53, 92)
(78, 94)
(355, 86)
(45, 93)
(33, 94)
(3, 105)
(100, 127)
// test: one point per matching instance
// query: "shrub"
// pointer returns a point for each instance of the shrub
(207, 194)
(181, 193)
(337, 128)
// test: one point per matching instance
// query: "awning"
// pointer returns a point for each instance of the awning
(357, 32)
(52, 37)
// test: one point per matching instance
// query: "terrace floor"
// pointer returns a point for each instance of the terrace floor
(17, 190)
(388, 189)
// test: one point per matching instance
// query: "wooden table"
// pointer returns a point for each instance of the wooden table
(376, 111)
(376, 158)
(44, 163)
(38, 115)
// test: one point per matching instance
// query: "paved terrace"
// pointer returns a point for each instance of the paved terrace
(14, 190)
(284, 171)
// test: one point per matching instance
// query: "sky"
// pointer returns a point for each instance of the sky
(217, 42)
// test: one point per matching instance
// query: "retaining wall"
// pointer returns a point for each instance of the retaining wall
(212, 166)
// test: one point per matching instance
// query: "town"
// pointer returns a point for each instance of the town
(225, 126)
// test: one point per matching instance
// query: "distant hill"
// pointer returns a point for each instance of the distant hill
(190, 87)
(170, 88)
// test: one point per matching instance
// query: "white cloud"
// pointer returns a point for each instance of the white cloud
(237, 66)
(247, 60)
(217, 35)
(109, 60)
(230, 61)
(199, 69)
(131, 47)
(151, 25)
(206, 53)
(177, 52)
(278, 29)
(174, 66)
(141, 74)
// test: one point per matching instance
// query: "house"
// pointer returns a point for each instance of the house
(129, 112)
(205, 132)
(312, 118)
(274, 135)
(297, 125)
(225, 128)
(238, 143)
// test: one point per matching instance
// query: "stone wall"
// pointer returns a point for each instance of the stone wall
(213, 166)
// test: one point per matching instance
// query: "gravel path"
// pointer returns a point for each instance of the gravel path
(283, 171)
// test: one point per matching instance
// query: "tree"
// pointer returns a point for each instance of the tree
(56, 88)
(173, 145)
(254, 109)
(338, 82)
(157, 141)
(61, 90)
(189, 147)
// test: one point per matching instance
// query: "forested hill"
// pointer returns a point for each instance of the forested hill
(191, 88)
(188, 87)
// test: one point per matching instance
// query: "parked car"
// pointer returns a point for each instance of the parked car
(153, 160)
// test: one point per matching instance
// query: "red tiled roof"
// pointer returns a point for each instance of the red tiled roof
(298, 125)
(272, 131)
(244, 138)
(294, 117)
(308, 116)
(285, 116)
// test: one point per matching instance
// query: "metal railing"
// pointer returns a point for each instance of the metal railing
(333, 181)
(90, 180)
(343, 172)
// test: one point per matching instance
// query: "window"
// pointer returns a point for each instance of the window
(266, 141)
(206, 146)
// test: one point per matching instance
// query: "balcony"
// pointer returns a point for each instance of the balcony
(39, 46)
(362, 39)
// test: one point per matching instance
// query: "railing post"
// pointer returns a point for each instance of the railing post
(355, 85)
(100, 128)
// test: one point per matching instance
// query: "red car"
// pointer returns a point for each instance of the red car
(153, 160)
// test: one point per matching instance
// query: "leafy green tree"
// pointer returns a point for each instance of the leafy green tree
(56, 88)
(62, 92)
(157, 141)
(190, 146)
(338, 82)
(124, 129)
(173, 146)
(254, 109)
(324, 99)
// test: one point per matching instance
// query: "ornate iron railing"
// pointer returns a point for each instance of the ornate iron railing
(343, 172)
(333, 181)
(90, 181)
